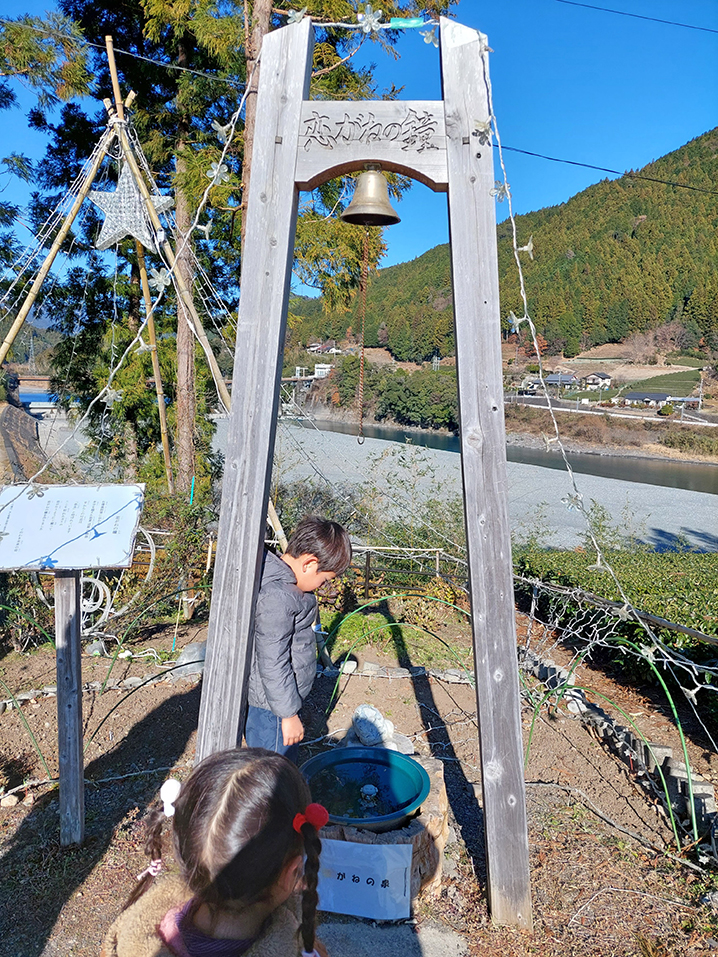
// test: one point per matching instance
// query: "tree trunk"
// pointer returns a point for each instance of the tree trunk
(186, 400)
(133, 308)
(261, 15)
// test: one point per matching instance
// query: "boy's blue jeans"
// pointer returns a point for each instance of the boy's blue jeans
(263, 729)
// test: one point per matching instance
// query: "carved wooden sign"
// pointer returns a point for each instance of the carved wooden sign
(403, 136)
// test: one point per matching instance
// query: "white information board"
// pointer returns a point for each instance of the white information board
(365, 880)
(68, 527)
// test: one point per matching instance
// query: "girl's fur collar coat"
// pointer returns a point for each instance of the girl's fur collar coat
(134, 933)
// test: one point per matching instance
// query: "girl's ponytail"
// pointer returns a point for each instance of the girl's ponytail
(310, 898)
(153, 849)
(153, 838)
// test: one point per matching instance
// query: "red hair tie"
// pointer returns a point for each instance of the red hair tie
(315, 814)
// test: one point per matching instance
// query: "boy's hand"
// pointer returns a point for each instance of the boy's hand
(292, 730)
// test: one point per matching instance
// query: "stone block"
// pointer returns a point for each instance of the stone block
(544, 668)
(190, 661)
(657, 755)
(575, 701)
(370, 668)
(427, 833)
(132, 682)
(452, 676)
(676, 769)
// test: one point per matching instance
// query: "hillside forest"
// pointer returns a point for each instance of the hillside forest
(620, 258)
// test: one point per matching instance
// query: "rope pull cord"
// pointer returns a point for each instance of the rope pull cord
(362, 308)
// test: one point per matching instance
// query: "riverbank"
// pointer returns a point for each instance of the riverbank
(399, 476)
(604, 435)
(661, 516)
(651, 450)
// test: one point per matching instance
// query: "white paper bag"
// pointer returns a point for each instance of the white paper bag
(365, 880)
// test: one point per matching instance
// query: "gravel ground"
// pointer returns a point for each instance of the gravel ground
(655, 514)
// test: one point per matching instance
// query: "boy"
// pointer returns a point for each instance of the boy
(284, 660)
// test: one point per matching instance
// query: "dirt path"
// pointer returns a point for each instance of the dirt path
(595, 890)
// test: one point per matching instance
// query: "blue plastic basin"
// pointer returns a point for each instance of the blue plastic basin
(336, 777)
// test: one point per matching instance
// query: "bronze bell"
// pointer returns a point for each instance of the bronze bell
(370, 204)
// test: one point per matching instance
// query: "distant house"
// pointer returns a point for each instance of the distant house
(652, 400)
(689, 401)
(561, 380)
(322, 370)
(529, 386)
(597, 380)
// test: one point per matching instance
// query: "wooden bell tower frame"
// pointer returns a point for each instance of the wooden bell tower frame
(298, 145)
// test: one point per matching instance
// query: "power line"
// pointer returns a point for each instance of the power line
(513, 149)
(605, 169)
(171, 66)
(638, 16)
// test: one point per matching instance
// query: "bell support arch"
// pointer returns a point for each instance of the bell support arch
(299, 144)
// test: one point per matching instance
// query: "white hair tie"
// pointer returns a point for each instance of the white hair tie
(310, 953)
(153, 870)
(168, 795)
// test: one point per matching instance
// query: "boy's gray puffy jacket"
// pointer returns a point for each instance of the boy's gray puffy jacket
(284, 661)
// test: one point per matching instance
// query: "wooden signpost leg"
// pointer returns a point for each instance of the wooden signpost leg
(266, 273)
(69, 706)
(472, 225)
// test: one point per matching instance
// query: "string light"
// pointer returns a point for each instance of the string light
(221, 131)
(218, 173)
(528, 248)
(369, 20)
(499, 190)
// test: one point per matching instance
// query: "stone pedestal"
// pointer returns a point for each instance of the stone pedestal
(427, 833)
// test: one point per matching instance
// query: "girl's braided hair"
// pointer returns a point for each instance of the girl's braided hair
(233, 831)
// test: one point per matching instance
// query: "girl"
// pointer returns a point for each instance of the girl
(244, 833)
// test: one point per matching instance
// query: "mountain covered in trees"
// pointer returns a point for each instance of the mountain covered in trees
(620, 257)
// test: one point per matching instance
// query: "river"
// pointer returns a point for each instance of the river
(697, 477)
(666, 505)
(663, 503)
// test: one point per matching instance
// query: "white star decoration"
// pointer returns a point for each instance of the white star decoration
(125, 212)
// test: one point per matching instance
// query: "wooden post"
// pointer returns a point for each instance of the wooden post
(68, 626)
(266, 273)
(367, 573)
(472, 225)
(156, 367)
(303, 145)
(103, 146)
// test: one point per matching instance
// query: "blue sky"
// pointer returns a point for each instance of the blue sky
(573, 83)
(569, 82)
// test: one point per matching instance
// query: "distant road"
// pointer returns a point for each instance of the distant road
(564, 405)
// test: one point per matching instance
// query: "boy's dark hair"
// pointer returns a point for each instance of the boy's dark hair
(233, 831)
(327, 541)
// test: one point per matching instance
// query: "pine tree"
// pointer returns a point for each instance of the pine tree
(173, 117)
